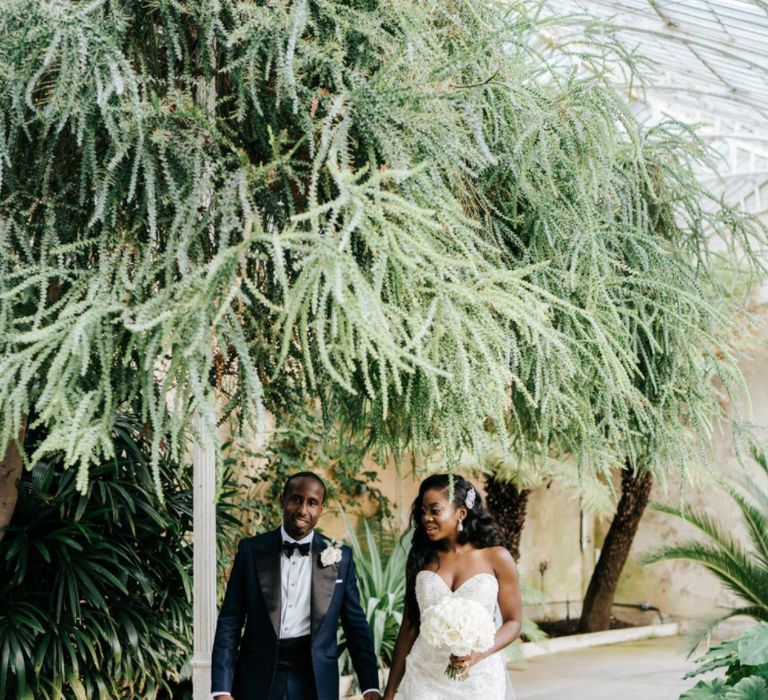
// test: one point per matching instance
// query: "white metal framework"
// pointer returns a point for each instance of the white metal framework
(707, 63)
(204, 561)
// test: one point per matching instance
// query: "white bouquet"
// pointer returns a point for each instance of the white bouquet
(459, 626)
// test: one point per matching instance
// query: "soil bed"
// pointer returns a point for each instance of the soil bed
(564, 628)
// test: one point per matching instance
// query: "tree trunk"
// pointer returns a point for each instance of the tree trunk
(507, 505)
(598, 601)
(11, 466)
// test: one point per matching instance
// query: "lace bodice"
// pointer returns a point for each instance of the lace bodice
(482, 588)
(425, 677)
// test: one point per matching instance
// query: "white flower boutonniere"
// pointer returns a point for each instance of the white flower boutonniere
(331, 555)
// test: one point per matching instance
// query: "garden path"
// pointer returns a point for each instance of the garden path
(651, 669)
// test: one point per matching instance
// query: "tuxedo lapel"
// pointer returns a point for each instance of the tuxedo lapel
(267, 558)
(323, 583)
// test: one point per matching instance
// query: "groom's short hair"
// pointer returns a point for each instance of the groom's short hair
(304, 475)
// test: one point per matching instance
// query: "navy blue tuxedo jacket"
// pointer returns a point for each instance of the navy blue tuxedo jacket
(246, 642)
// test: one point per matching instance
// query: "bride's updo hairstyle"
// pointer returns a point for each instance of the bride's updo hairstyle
(480, 530)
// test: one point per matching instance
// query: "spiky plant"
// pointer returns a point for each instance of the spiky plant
(742, 567)
(381, 582)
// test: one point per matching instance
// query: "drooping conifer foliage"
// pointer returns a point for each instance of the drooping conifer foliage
(399, 207)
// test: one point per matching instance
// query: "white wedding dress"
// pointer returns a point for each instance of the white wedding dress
(425, 678)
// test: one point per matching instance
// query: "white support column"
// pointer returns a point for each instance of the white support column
(204, 562)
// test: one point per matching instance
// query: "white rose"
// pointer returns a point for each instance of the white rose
(461, 649)
(488, 638)
(458, 625)
(330, 555)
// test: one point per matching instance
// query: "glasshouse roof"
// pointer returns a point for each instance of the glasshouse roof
(706, 62)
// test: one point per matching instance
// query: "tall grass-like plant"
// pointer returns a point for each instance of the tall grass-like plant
(95, 588)
(381, 582)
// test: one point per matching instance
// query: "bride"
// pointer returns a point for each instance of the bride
(457, 550)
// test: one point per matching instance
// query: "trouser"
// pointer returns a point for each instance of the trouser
(293, 685)
(294, 679)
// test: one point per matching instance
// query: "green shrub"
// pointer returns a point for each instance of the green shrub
(95, 589)
(381, 581)
(745, 660)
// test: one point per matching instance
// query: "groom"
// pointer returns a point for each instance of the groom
(290, 587)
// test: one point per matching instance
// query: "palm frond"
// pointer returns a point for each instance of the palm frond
(594, 493)
(95, 588)
(734, 568)
(741, 568)
(756, 522)
(707, 525)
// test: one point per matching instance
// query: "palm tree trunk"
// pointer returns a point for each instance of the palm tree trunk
(11, 466)
(507, 505)
(598, 601)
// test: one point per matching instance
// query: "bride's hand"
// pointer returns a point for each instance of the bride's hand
(466, 662)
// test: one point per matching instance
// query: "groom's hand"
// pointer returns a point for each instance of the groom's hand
(372, 695)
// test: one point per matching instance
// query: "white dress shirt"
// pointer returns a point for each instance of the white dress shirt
(296, 593)
(296, 582)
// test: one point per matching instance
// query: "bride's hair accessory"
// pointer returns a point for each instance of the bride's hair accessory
(469, 501)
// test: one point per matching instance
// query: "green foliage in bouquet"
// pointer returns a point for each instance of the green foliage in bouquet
(95, 588)
(745, 660)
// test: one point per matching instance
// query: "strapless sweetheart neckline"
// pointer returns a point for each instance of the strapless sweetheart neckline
(456, 590)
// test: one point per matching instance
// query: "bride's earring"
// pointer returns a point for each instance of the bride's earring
(461, 526)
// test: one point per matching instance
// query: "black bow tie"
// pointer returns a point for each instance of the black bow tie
(290, 547)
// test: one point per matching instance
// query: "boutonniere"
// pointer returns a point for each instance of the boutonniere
(331, 555)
